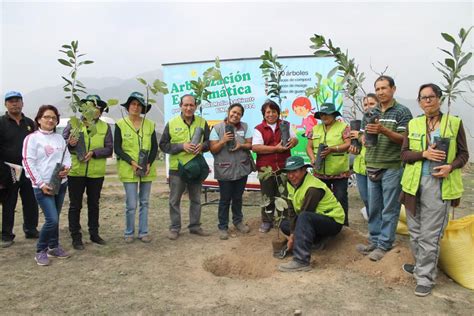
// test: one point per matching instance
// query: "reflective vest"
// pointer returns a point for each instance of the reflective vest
(95, 167)
(359, 162)
(335, 163)
(452, 187)
(181, 133)
(131, 146)
(328, 206)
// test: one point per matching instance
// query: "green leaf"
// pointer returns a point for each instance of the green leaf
(151, 101)
(218, 62)
(446, 51)
(66, 46)
(73, 75)
(67, 80)
(332, 72)
(142, 81)
(280, 204)
(86, 62)
(322, 53)
(112, 102)
(464, 60)
(67, 89)
(65, 62)
(448, 38)
(450, 63)
(70, 54)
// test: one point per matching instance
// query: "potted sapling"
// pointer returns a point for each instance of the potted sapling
(451, 69)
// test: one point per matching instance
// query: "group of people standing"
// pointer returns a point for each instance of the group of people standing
(398, 168)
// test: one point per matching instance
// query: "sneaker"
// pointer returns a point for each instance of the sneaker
(41, 258)
(77, 244)
(365, 249)
(173, 235)
(265, 227)
(128, 239)
(58, 253)
(98, 240)
(293, 266)
(223, 234)
(408, 268)
(199, 232)
(377, 254)
(241, 227)
(7, 243)
(422, 290)
(146, 239)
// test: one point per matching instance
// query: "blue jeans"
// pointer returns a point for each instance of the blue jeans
(51, 206)
(230, 191)
(362, 185)
(384, 208)
(136, 192)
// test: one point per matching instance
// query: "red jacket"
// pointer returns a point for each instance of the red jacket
(270, 138)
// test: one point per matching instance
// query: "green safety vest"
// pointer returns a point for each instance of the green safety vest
(181, 133)
(452, 187)
(95, 167)
(359, 162)
(131, 146)
(335, 163)
(328, 206)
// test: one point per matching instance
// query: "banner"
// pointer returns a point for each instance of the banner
(245, 84)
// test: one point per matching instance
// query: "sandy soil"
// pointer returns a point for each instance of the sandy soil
(204, 275)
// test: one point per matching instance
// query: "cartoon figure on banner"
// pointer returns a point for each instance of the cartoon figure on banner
(302, 107)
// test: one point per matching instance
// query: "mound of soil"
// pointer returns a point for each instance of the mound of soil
(252, 257)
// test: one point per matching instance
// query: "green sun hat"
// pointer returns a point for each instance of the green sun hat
(97, 101)
(140, 98)
(295, 163)
(327, 108)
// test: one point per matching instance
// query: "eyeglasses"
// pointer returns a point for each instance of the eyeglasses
(50, 118)
(428, 98)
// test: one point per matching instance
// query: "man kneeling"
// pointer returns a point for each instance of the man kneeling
(313, 214)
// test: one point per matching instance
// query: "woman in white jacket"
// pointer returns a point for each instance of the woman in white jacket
(42, 150)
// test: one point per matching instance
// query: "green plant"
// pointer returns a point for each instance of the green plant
(327, 88)
(452, 67)
(215, 73)
(158, 86)
(352, 78)
(280, 201)
(74, 87)
(272, 70)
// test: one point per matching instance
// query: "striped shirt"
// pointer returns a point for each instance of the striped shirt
(387, 153)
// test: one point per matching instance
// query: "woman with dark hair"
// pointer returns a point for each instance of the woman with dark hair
(42, 151)
(230, 143)
(427, 191)
(135, 140)
(334, 136)
(359, 167)
(267, 143)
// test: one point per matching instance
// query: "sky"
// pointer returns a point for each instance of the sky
(128, 38)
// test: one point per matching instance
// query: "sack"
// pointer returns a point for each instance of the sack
(456, 254)
(402, 227)
(375, 174)
(194, 171)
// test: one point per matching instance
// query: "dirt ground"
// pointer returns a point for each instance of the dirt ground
(205, 275)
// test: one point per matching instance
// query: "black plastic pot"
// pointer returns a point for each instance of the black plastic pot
(231, 143)
(319, 159)
(196, 139)
(81, 150)
(55, 180)
(371, 117)
(355, 126)
(442, 143)
(142, 162)
(285, 132)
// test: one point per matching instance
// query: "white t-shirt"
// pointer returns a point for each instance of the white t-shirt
(257, 138)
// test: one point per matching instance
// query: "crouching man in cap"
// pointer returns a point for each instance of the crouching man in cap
(88, 174)
(313, 214)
